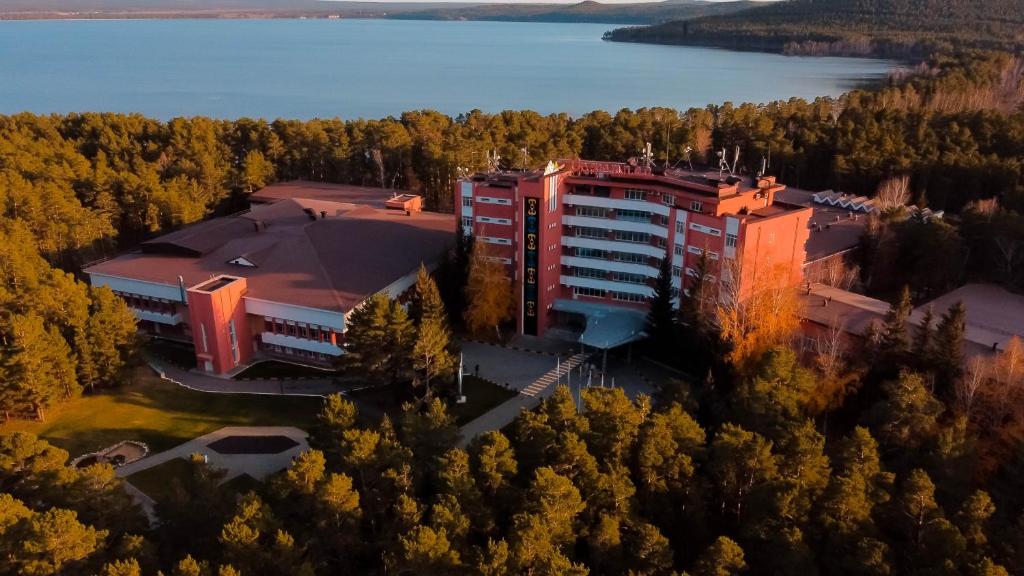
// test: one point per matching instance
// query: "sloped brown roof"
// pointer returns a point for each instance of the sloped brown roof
(332, 263)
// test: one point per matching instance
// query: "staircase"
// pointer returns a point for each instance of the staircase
(548, 379)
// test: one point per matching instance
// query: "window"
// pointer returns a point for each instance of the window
(202, 330)
(696, 206)
(730, 240)
(591, 211)
(705, 229)
(590, 273)
(666, 199)
(638, 237)
(584, 232)
(694, 250)
(592, 292)
(680, 227)
(591, 253)
(634, 194)
(489, 220)
(630, 258)
(493, 240)
(233, 339)
(293, 330)
(467, 201)
(679, 250)
(552, 194)
(675, 292)
(771, 237)
(629, 278)
(633, 215)
(467, 222)
(489, 200)
(627, 297)
(268, 324)
(677, 271)
(660, 242)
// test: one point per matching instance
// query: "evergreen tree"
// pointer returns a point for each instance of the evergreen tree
(924, 340)
(894, 342)
(432, 355)
(949, 347)
(694, 309)
(36, 366)
(661, 326)
(723, 558)
(379, 341)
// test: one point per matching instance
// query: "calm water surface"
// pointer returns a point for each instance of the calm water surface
(373, 68)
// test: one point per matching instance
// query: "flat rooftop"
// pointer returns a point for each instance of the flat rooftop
(363, 195)
(315, 252)
(994, 314)
(838, 232)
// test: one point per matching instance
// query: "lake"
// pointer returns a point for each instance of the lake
(374, 68)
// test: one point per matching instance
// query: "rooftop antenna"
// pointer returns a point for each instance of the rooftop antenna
(735, 160)
(723, 164)
(526, 156)
(686, 155)
(647, 156)
(493, 160)
(764, 167)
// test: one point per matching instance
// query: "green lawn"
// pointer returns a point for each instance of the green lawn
(481, 396)
(161, 414)
(156, 482)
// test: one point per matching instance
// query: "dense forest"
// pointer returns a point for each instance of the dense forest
(900, 458)
(587, 11)
(889, 28)
(78, 187)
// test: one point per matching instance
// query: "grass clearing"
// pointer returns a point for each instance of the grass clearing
(156, 482)
(160, 414)
(481, 396)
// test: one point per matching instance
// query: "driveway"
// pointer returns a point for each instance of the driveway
(517, 368)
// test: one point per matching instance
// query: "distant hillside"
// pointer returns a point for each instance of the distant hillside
(895, 28)
(589, 11)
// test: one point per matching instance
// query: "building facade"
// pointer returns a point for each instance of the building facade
(278, 280)
(584, 240)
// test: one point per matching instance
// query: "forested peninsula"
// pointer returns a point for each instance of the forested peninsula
(911, 29)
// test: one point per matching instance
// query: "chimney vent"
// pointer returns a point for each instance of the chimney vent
(323, 214)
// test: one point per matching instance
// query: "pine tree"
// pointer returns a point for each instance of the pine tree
(723, 558)
(949, 347)
(894, 341)
(695, 308)
(379, 341)
(36, 366)
(924, 337)
(661, 326)
(432, 356)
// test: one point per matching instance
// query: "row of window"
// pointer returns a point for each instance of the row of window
(467, 201)
(628, 297)
(592, 292)
(299, 330)
(146, 303)
(297, 352)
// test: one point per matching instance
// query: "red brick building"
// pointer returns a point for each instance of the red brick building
(280, 279)
(583, 240)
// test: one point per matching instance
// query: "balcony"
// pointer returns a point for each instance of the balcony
(610, 224)
(300, 343)
(610, 265)
(608, 285)
(613, 246)
(616, 204)
(158, 317)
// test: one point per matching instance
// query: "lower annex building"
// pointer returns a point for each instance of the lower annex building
(281, 278)
(583, 240)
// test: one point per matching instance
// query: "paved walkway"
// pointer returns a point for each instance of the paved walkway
(256, 465)
(204, 383)
(529, 397)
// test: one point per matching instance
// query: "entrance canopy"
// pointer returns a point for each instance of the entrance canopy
(607, 326)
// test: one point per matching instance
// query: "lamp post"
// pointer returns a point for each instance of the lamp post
(460, 398)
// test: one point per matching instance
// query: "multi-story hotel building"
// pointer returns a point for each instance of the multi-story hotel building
(280, 279)
(584, 240)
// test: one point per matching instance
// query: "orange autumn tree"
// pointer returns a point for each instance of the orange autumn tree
(488, 292)
(756, 314)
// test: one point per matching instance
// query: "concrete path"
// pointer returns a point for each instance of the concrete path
(256, 465)
(517, 368)
(529, 397)
(203, 383)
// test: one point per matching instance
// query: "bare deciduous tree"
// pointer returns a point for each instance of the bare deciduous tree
(893, 193)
